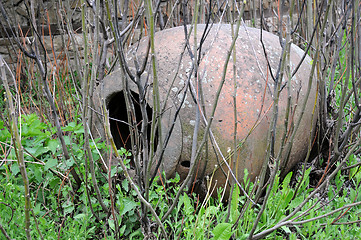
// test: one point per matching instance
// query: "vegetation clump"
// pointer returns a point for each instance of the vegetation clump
(59, 181)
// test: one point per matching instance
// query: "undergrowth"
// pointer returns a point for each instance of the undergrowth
(324, 205)
(59, 213)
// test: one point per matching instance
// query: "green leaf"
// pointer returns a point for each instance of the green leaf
(40, 151)
(222, 231)
(67, 140)
(80, 129)
(32, 126)
(15, 168)
(125, 185)
(79, 216)
(4, 133)
(111, 224)
(31, 150)
(38, 175)
(296, 202)
(70, 127)
(286, 229)
(53, 145)
(120, 203)
(201, 212)
(36, 209)
(113, 171)
(122, 230)
(68, 209)
(286, 181)
(51, 163)
(73, 127)
(212, 210)
(288, 198)
(129, 205)
(188, 208)
(70, 162)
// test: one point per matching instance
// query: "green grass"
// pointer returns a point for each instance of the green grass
(61, 214)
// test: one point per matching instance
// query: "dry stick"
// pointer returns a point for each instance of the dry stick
(342, 223)
(208, 125)
(341, 215)
(309, 45)
(347, 206)
(358, 58)
(286, 220)
(322, 90)
(33, 21)
(169, 20)
(340, 120)
(141, 139)
(289, 79)
(156, 123)
(103, 59)
(214, 142)
(86, 178)
(86, 111)
(131, 118)
(235, 142)
(56, 120)
(201, 102)
(69, 28)
(112, 198)
(345, 136)
(337, 49)
(354, 123)
(349, 95)
(156, 126)
(317, 53)
(167, 137)
(309, 20)
(306, 213)
(134, 138)
(197, 120)
(43, 74)
(272, 128)
(126, 72)
(4, 232)
(272, 131)
(177, 110)
(18, 147)
(144, 141)
(132, 184)
(37, 224)
(166, 140)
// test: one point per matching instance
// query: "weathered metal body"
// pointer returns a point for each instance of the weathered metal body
(254, 100)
